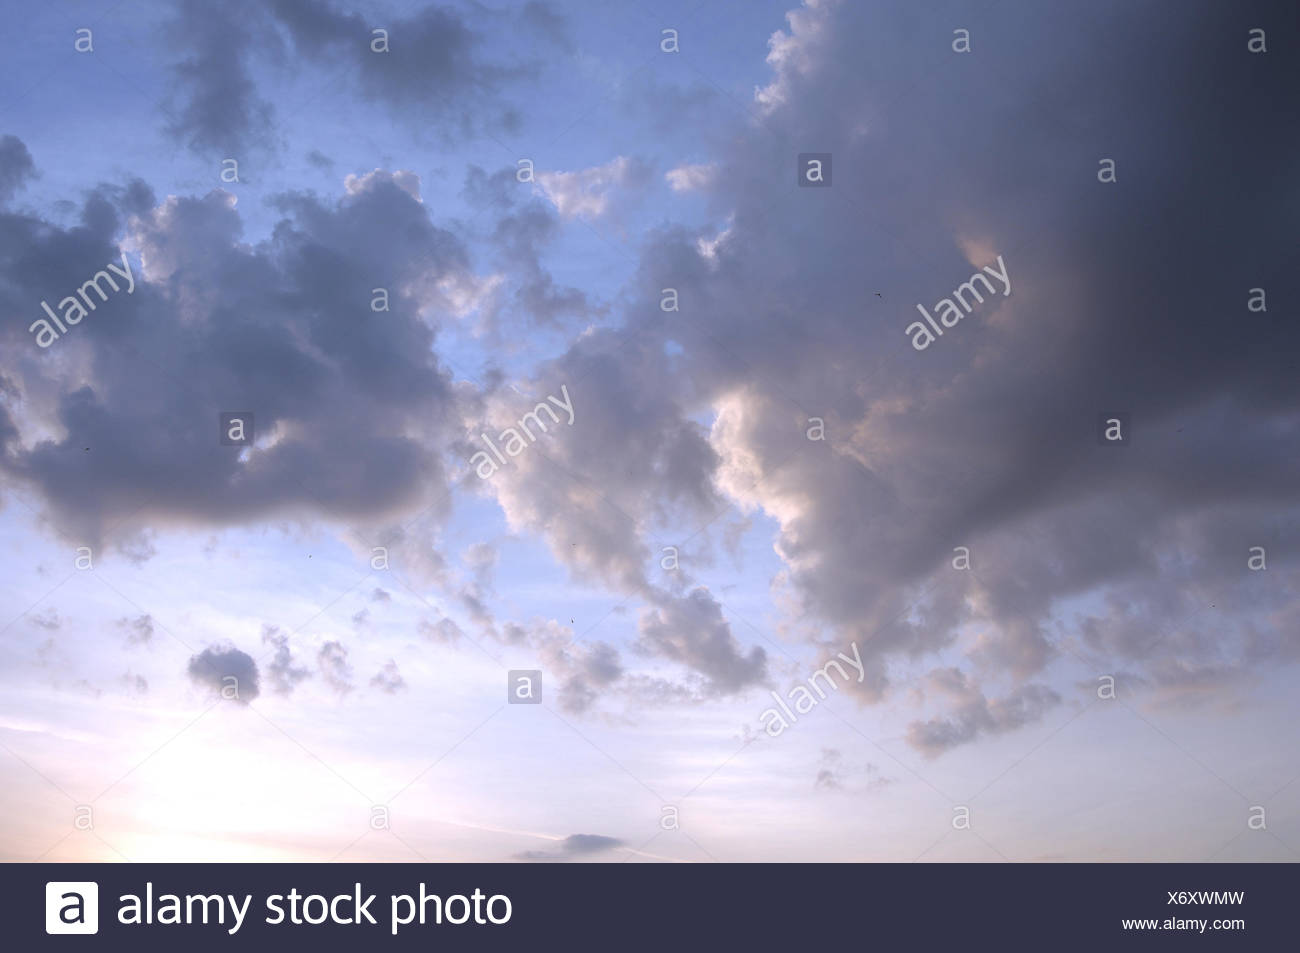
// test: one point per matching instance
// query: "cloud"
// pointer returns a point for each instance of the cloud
(332, 662)
(388, 679)
(592, 193)
(283, 675)
(349, 420)
(47, 619)
(16, 166)
(828, 775)
(217, 108)
(654, 466)
(692, 631)
(139, 631)
(583, 670)
(430, 54)
(481, 558)
(1124, 296)
(430, 63)
(834, 774)
(987, 439)
(405, 180)
(134, 684)
(573, 846)
(444, 630)
(226, 672)
(973, 715)
(689, 178)
(521, 232)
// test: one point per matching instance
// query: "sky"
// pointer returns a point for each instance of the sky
(715, 430)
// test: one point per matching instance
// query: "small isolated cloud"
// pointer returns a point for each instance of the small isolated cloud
(283, 674)
(134, 684)
(137, 547)
(573, 846)
(692, 631)
(332, 660)
(481, 558)
(216, 104)
(689, 178)
(226, 672)
(444, 630)
(584, 670)
(139, 631)
(828, 775)
(833, 774)
(388, 679)
(875, 779)
(47, 619)
(973, 714)
(589, 193)
(380, 595)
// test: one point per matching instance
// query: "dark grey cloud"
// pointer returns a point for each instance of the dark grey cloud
(573, 846)
(216, 107)
(433, 59)
(692, 630)
(226, 672)
(429, 62)
(543, 18)
(16, 166)
(351, 406)
(1129, 296)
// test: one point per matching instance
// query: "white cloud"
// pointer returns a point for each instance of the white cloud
(689, 178)
(591, 193)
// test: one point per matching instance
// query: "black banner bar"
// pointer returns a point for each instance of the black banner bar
(648, 906)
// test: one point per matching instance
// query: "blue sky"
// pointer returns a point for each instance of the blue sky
(766, 478)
